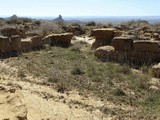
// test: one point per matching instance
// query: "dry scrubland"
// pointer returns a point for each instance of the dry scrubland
(72, 82)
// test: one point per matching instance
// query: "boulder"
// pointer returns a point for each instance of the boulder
(122, 43)
(26, 44)
(103, 36)
(156, 71)
(146, 46)
(118, 33)
(144, 58)
(104, 53)
(63, 39)
(37, 42)
(5, 45)
(147, 35)
(98, 44)
(16, 44)
(155, 36)
(76, 30)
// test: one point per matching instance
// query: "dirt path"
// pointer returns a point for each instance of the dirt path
(89, 40)
(29, 100)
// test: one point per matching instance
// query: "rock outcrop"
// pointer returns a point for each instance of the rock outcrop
(5, 45)
(156, 71)
(59, 19)
(63, 39)
(136, 53)
(76, 30)
(146, 46)
(12, 107)
(103, 36)
(16, 45)
(37, 42)
(122, 43)
(26, 45)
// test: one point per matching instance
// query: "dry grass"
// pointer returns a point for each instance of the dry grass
(68, 69)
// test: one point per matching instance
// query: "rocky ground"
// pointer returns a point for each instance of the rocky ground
(32, 100)
(71, 83)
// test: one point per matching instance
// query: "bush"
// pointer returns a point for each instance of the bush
(38, 23)
(77, 71)
(92, 23)
(21, 74)
(119, 92)
(53, 79)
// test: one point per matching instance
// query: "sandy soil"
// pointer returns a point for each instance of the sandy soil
(30, 100)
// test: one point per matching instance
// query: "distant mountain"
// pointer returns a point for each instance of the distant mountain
(59, 19)
(13, 17)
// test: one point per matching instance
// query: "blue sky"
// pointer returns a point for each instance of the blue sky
(80, 7)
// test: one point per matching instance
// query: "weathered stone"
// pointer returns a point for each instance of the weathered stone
(5, 45)
(147, 35)
(146, 46)
(122, 43)
(103, 34)
(16, 44)
(98, 44)
(105, 52)
(63, 39)
(26, 45)
(76, 30)
(37, 42)
(156, 71)
(155, 35)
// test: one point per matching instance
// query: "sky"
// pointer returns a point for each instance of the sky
(80, 7)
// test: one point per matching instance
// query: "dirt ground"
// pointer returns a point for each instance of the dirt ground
(30, 99)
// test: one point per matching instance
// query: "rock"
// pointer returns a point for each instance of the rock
(13, 17)
(153, 88)
(98, 44)
(156, 71)
(5, 45)
(146, 46)
(76, 30)
(103, 36)
(147, 35)
(37, 42)
(26, 45)
(13, 107)
(63, 39)
(105, 52)
(16, 45)
(118, 33)
(155, 36)
(122, 43)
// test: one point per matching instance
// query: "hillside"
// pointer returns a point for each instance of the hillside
(77, 71)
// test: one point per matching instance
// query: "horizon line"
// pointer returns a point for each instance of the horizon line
(83, 16)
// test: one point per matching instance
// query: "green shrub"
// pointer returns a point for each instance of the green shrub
(21, 74)
(53, 79)
(119, 92)
(77, 71)
(91, 23)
